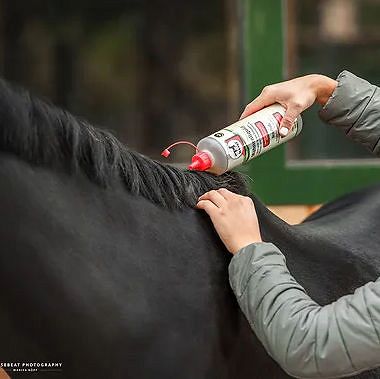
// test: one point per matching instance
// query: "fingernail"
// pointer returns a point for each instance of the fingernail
(284, 131)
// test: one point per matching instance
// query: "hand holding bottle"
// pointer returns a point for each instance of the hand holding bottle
(295, 95)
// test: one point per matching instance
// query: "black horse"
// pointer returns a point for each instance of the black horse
(106, 267)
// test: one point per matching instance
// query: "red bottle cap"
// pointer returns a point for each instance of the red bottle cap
(165, 153)
(200, 162)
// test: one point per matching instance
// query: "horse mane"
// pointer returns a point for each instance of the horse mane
(43, 134)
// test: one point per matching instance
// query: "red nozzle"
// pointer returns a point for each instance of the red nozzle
(200, 162)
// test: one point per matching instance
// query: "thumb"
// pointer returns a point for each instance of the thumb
(288, 121)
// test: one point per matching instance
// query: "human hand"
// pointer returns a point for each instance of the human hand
(234, 218)
(295, 95)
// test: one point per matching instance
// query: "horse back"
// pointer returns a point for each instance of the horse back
(112, 285)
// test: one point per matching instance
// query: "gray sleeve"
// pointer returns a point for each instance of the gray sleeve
(354, 107)
(306, 339)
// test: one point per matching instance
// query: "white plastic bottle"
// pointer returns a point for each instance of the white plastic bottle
(242, 141)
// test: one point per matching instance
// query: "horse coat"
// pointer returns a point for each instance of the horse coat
(106, 267)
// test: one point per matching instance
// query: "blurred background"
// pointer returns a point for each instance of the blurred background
(155, 71)
(326, 37)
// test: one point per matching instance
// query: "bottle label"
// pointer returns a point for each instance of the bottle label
(254, 135)
(236, 147)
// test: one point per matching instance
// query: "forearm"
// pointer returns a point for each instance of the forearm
(303, 337)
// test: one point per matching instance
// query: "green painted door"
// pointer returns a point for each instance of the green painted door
(295, 37)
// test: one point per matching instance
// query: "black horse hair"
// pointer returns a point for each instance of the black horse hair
(42, 134)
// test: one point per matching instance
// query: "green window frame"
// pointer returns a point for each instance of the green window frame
(275, 180)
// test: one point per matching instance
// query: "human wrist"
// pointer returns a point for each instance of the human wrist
(324, 88)
(244, 242)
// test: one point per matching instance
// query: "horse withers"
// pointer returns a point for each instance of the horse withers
(107, 268)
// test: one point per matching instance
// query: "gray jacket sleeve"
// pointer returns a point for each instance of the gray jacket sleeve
(354, 107)
(307, 340)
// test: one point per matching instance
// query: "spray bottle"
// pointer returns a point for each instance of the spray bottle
(241, 141)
